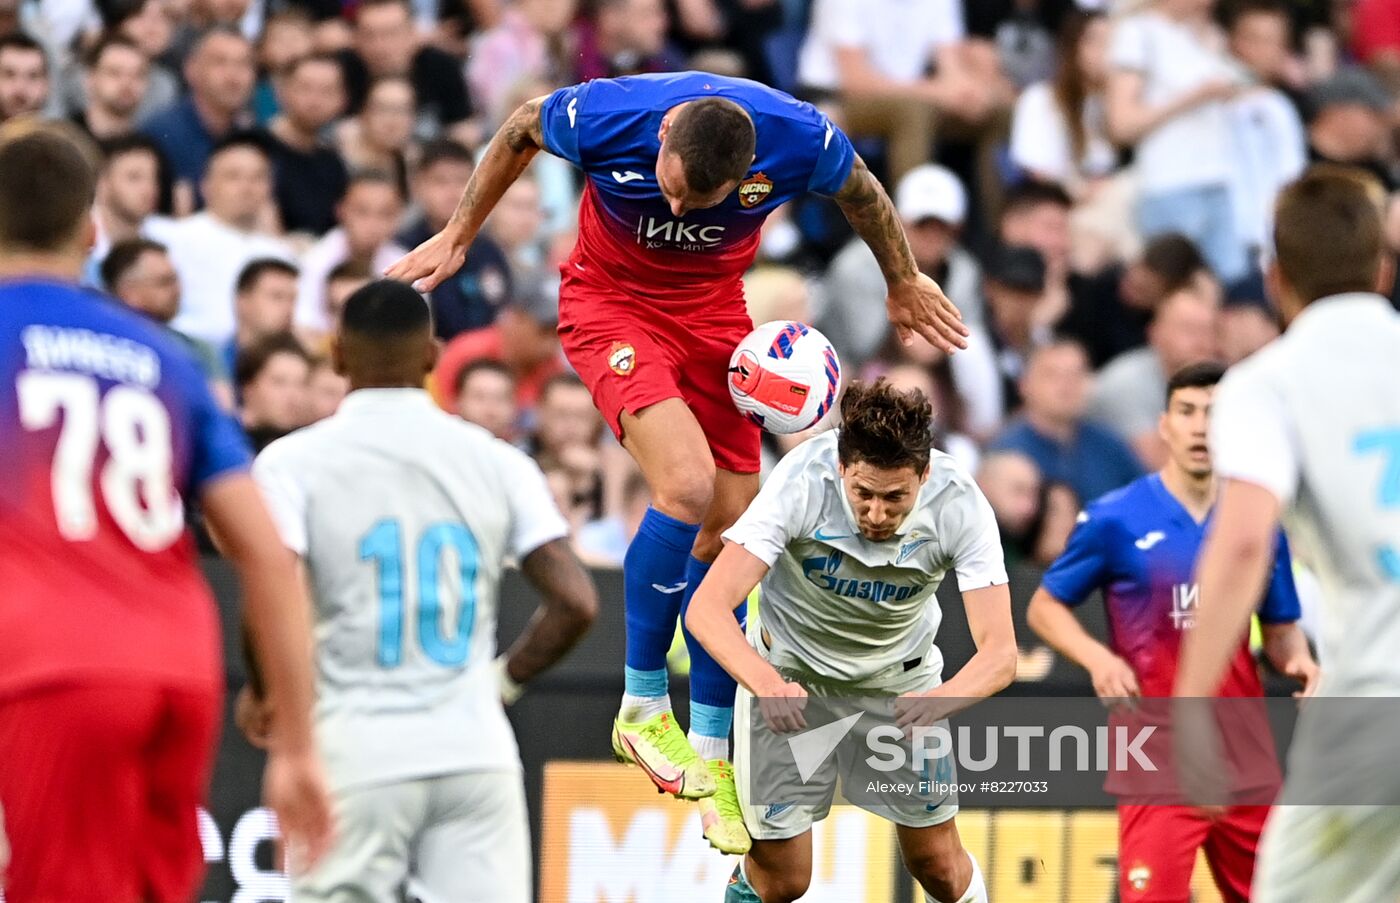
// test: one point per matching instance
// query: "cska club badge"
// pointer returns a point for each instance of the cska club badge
(754, 190)
(622, 358)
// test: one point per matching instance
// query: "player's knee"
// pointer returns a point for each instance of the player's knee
(943, 873)
(686, 492)
(781, 887)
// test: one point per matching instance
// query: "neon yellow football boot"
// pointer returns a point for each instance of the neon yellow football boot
(659, 747)
(720, 816)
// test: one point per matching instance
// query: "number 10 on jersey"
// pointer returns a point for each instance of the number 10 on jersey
(443, 543)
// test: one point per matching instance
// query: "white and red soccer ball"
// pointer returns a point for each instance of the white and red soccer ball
(784, 376)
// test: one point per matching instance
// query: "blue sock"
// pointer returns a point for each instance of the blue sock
(711, 687)
(656, 558)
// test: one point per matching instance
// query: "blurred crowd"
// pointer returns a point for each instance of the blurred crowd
(1090, 182)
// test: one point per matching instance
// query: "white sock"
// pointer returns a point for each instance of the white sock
(709, 747)
(976, 888)
(640, 708)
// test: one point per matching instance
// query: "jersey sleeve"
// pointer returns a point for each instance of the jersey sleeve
(560, 117)
(1083, 566)
(1280, 604)
(1251, 437)
(776, 515)
(1130, 45)
(977, 556)
(834, 161)
(220, 446)
(276, 475)
(534, 517)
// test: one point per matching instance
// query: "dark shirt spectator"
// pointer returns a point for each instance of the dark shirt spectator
(309, 177)
(1052, 430)
(386, 44)
(471, 298)
(220, 75)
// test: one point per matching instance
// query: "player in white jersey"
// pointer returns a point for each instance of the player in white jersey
(405, 517)
(1309, 429)
(850, 537)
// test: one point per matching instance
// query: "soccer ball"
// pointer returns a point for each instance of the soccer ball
(784, 376)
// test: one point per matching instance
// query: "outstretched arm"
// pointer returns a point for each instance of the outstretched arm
(510, 151)
(915, 303)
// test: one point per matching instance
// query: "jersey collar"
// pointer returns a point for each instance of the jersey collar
(381, 399)
(1346, 304)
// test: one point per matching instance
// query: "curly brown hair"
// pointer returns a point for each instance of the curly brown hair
(885, 427)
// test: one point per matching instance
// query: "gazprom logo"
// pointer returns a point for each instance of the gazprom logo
(823, 572)
(674, 235)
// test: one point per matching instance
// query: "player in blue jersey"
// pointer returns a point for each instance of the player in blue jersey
(1139, 545)
(112, 684)
(681, 171)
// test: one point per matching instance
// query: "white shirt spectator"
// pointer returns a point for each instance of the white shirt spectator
(1272, 151)
(1040, 140)
(316, 264)
(209, 254)
(1193, 148)
(902, 36)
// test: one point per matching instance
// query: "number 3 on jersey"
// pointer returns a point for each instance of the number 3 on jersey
(1387, 443)
(441, 543)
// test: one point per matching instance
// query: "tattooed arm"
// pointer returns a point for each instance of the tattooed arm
(515, 145)
(915, 303)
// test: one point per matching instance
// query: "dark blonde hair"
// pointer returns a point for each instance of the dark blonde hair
(1328, 232)
(885, 427)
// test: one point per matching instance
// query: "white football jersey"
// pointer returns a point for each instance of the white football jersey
(405, 517)
(1315, 419)
(845, 608)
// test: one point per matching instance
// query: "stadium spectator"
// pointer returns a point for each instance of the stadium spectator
(116, 80)
(1109, 312)
(524, 337)
(932, 205)
(1347, 124)
(386, 45)
(486, 396)
(286, 38)
(566, 439)
(1011, 482)
(381, 136)
(1129, 391)
(271, 379)
(309, 176)
(935, 380)
(368, 215)
(147, 24)
(530, 43)
(470, 299)
(515, 226)
(138, 272)
(1375, 37)
(1015, 289)
(1059, 512)
(24, 76)
(1167, 90)
(1058, 128)
(623, 37)
(344, 280)
(1244, 328)
(875, 56)
(1267, 130)
(325, 390)
(1037, 215)
(128, 191)
(211, 248)
(264, 298)
(603, 542)
(219, 72)
(1052, 429)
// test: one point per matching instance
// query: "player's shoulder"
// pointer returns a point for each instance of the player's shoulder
(947, 477)
(1121, 504)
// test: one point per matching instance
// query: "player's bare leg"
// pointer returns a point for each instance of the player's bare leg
(775, 871)
(669, 446)
(711, 688)
(936, 858)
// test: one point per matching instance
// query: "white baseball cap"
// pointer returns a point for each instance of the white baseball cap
(931, 192)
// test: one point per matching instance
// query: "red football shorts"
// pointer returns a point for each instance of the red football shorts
(632, 354)
(1157, 850)
(100, 784)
